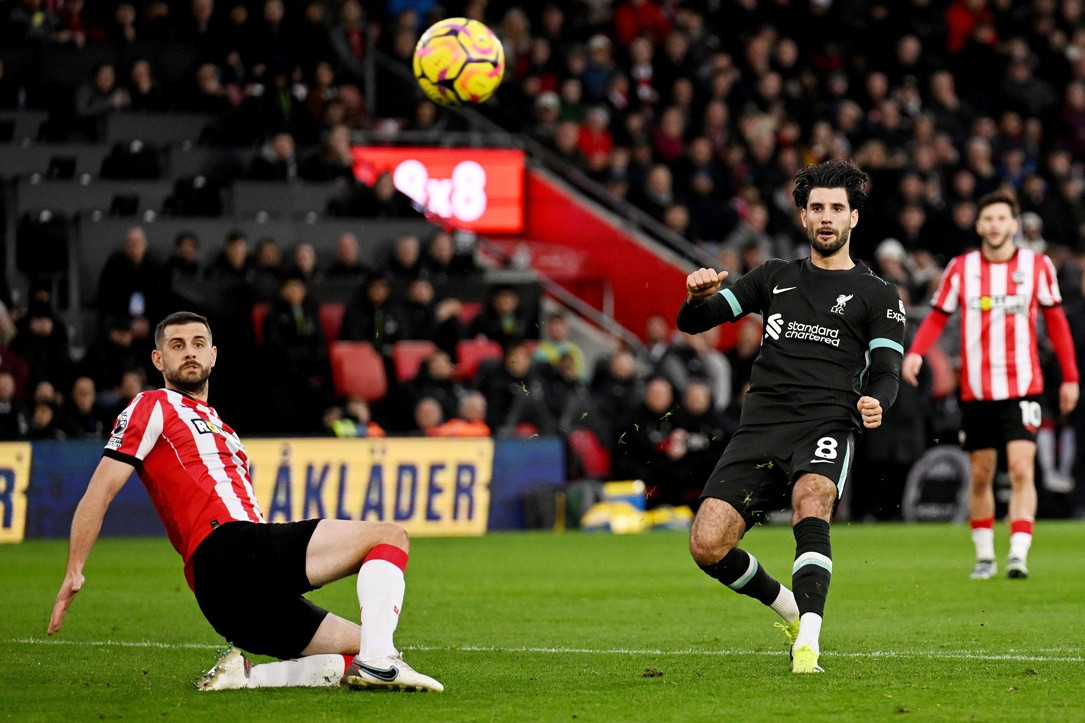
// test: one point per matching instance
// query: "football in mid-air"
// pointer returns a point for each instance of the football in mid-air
(459, 62)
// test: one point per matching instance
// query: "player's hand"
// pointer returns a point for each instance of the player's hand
(1068, 396)
(871, 411)
(73, 583)
(703, 283)
(909, 368)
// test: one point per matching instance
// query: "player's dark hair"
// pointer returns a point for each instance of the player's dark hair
(836, 173)
(178, 317)
(999, 196)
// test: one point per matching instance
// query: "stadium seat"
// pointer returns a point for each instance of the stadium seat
(594, 457)
(471, 352)
(357, 370)
(42, 243)
(408, 356)
(469, 310)
(259, 313)
(331, 319)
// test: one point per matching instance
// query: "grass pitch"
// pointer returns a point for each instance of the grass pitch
(548, 627)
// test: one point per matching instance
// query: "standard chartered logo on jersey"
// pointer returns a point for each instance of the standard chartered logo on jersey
(776, 327)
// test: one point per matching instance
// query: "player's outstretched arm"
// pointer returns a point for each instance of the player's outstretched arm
(105, 483)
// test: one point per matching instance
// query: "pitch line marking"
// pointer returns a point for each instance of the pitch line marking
(1040, 656)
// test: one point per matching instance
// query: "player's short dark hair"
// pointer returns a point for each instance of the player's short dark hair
(178, 317)
(999, 196)
(835, 173)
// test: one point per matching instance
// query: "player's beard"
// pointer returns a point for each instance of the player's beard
(999, 243)
(192, 381)
(826, 249)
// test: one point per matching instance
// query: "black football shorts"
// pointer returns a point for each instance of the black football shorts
(761, 463)
(249, 579)
(990, 424)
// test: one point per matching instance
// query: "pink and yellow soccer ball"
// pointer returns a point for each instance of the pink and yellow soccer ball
(458, 62)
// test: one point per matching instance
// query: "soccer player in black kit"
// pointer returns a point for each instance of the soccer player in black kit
(829, 365)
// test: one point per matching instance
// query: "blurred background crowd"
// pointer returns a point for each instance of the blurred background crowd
(695, 114)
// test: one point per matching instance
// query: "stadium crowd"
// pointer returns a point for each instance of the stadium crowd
(697, 112)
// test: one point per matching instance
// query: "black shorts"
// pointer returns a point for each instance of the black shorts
(249, 579)
(990, 425)
(762, 462)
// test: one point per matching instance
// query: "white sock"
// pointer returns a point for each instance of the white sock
(313, 671)
(1020, 542)
(984, 540)
(380, 597)
(809, 631)
(785, 605)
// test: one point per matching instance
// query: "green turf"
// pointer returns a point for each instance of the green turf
(539, 626)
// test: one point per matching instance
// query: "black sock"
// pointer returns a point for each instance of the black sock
(813, 565)
(740, 571)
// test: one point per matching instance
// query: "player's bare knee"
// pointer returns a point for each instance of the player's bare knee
(393, 534)
(706, 549)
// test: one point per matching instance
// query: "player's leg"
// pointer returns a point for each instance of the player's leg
(713, 543)
(1021, 459)
(813, 499)
(377, 552)
(981, 510)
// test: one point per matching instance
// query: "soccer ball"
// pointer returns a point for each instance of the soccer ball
(459, 62)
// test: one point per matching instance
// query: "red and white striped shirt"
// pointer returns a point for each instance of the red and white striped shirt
(193, 465)
(999, 304)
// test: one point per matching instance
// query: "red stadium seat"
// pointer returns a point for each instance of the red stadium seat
(331, 319)
(594, 457)
(357, 370)
(471, 352)
(259, 313)
(469, 310)
(408, 356)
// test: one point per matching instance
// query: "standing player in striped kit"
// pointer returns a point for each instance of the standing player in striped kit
(249, 576)
(999, 289)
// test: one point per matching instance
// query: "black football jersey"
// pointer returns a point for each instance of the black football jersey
(820, 330)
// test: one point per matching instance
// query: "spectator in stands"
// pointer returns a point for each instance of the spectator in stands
(547, 106)
(697, 356)
(347, 265)
(80, 417)
(95, 99)
(501, 319)
(701, 432)
(295, 345)
(555, 344)
(741, 356)
(109, 356)
(277, 160)
(305, 266)
(372, 315)
(352, 419)
(348, 39)
(42, 341)
(267, 270)
(381, 200)
(130, 283)
(232, 265)
(641, 450)
(442, 263)
(207, 93)
(404, 262)
(426, 318)
(30, 22)
(332, 161)
(435, 379)
(14, 422)
(514, 394)
(428, 417)
(568, 397)
(183, 265)
(616, 387)
(469, 421)
(657, 340)
(144, 91)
